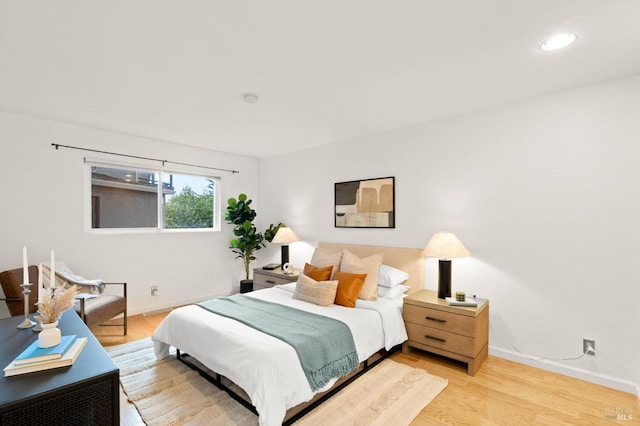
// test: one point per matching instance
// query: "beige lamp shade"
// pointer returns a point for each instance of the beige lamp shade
(445, 245)
(285, 235)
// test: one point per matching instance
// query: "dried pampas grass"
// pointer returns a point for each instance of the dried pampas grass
(54, 301)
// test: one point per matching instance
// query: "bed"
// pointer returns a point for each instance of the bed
(267, 369)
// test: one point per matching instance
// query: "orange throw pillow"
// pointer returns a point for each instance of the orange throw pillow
(349, 286)
(318, 274)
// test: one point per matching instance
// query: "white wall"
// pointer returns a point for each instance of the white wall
(544, 193)
(42, 208)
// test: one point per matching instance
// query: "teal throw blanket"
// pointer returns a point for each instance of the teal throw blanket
(324, 345)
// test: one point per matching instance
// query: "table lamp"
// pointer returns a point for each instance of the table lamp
(284, 236)
(445, 246)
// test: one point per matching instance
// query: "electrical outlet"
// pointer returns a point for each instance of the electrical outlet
(588, 347)
(154, 290)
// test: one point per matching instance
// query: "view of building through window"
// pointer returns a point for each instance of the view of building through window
(128, 198)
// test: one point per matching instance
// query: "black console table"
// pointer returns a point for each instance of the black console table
(86, 393)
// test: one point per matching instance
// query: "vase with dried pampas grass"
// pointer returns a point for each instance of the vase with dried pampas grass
(52, 302)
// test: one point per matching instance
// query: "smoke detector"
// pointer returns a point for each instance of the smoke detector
(250, 98)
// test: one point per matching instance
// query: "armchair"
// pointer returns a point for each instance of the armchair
(97, 309)
(11, 281)
(93, 309)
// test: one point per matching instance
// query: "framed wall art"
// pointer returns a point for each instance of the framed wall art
(368, 203)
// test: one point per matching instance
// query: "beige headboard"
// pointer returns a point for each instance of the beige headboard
(409, 260)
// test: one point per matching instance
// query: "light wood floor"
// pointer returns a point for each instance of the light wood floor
(502, 393)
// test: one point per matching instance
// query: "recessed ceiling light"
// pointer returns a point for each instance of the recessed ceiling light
(558, 42)
(250, 98)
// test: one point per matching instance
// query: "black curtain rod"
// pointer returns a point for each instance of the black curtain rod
(56, 146)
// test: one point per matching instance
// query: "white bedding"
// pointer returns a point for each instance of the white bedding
(265, 367)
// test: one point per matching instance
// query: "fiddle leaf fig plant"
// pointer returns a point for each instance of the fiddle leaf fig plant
(247, 238)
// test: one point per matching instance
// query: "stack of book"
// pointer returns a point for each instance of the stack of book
(34, 358)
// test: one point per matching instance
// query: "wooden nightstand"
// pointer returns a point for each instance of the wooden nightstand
(460, 333)
(263, 278)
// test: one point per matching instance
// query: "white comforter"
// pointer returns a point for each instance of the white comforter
(265, 367)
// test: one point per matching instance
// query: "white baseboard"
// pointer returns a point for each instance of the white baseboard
(578, 373)
(174, 303)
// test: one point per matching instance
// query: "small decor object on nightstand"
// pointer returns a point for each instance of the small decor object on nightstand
(460, 296)
(288, 269)
(468, 301)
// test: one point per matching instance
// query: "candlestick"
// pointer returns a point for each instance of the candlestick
(27, 323)
(52, 281)
(25, 266)
(40, 277)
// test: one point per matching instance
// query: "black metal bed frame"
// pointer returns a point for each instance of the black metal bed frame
(217, 380)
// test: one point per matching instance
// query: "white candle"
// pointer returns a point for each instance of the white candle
(52, 283)
(25, 267)
(40, 279)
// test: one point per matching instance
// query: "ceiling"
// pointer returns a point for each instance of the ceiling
(325, 71)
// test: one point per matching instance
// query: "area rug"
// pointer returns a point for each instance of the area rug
(167, 392)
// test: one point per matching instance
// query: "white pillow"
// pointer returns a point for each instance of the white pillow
(388, 276)
(290, 287)
(396, 292)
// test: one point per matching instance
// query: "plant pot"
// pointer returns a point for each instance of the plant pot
(246, 286)
(49, 336)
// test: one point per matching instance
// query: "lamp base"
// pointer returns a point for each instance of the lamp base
(444, 279)
(284, 255)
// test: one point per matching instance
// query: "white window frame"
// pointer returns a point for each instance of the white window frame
(89, 163)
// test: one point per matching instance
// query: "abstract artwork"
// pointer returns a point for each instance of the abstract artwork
(368, 203)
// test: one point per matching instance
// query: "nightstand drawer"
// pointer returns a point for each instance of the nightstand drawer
(261, 281)
(440, 320)
(440, 339)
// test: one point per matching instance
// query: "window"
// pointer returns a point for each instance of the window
(132, 198)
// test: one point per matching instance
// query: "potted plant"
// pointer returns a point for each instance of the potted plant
(247, 238)
(240, 214)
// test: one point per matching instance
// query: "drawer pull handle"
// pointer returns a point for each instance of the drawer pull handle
(271, 282)
(435, 319)
(437, 339)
